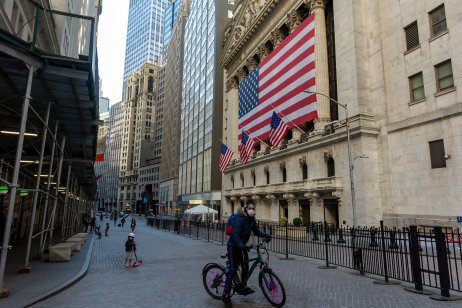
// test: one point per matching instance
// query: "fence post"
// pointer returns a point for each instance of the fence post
(326, 240)
(384, 260)
(414, 249)
(286, 225)
(442, 258)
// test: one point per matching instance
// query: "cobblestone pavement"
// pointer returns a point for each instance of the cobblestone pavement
(170, 276)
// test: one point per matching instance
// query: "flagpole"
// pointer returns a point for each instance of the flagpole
(256, 137)
(303, 132)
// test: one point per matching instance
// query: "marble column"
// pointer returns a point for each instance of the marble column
(322, 69)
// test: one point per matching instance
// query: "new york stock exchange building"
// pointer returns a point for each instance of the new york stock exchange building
(390, 67)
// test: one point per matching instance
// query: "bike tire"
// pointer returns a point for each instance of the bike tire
(214, 278)
(275, 292)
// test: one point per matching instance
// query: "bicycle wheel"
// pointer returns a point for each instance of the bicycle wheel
(214, 279)
(272, 288)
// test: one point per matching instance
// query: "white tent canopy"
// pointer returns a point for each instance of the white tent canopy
(201, 209)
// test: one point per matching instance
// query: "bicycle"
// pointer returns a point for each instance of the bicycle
(214, 277)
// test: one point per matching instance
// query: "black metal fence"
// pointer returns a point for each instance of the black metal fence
(425, 256)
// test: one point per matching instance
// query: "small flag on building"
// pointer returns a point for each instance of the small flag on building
(225, 157)
(246, 147)
(99, 156)
(278, 129)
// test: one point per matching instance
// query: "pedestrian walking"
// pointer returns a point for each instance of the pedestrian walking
(85, 223)
(107, 229)
(92, 224)
(98, 231)
(115, 218)
(122, 221)
(133, 224)
(130, 249)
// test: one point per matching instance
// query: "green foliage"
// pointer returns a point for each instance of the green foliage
(283, 220)
(297, 221)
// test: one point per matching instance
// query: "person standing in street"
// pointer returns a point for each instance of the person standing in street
(115, 218)
(133, 224)
(85, 223)
(130, 248)
(107, 229)
(92, 224)
(122, 221)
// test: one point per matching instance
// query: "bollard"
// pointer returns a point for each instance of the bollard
(393, 244)
(373, 242)
(340, 236)
(442, 258)
(384, 261)
(326, 240)
(414, 249)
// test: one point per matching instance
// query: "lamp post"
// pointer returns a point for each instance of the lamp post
(350, 160)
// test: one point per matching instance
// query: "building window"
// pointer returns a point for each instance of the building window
(232, 181)
(438, 21)
(330, 167)
(444, 76)
(304, 171)
(437, 154)
(267, 177)
(412, 36)
(284, 175)
(254, 179)
(416, 87)
(242, 180)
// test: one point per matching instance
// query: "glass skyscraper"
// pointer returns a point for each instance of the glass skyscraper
(169, 21)
(144, 34)
(201, 111)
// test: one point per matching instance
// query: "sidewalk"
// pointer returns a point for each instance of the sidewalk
(171, 276)
(46, 278)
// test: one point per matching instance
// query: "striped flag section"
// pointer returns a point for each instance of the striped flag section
(277, 83)
(225, 157)
(246, 147)
(278, 130)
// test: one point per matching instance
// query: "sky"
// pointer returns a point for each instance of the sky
(112, 31)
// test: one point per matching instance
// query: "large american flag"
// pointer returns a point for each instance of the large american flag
(278, 82)
(278, 130)
(246, 147)
(225, 157)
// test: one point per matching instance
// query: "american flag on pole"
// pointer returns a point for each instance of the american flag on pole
(278, 82)
(278, 129)
(225, 157)
(246, 147)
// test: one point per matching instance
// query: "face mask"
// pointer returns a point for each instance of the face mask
(251, 213)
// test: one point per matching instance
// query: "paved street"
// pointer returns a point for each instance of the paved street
(170, 276)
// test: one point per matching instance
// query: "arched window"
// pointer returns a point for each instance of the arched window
(304, 171)
(284, 175)
(150, 83)
(330, 167)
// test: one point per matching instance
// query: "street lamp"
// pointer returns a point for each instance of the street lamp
(350, 161)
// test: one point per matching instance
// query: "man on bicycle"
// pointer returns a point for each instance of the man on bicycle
(243, 224)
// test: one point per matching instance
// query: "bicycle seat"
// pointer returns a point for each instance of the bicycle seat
(224, 255)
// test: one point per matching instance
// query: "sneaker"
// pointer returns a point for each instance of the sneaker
(247, 291)
(227, 301)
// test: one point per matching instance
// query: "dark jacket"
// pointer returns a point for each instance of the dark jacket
(130, 245)
(243, 225)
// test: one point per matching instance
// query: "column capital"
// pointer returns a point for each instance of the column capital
(263, 51)
(276, 37)
(241, 74)
(317, 4)
(251, 63)
(293, 20)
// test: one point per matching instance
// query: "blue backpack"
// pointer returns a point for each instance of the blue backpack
(229, 224)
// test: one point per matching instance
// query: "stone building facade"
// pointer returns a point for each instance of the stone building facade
(138, 144)
(395, 65)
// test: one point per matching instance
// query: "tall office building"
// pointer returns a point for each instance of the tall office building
(201, 115)
(138, 143)
(144, 35)
(168, 189)
(169, 22)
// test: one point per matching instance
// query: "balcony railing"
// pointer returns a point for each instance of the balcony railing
(321, 184)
